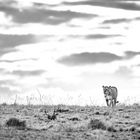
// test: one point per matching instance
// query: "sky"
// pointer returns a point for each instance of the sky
(64, 51)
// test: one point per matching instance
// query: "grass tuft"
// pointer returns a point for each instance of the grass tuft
(111, 129)
(14, 122)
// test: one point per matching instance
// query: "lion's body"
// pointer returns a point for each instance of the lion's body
(110, 94)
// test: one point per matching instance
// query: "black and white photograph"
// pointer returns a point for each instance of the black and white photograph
(69, 69)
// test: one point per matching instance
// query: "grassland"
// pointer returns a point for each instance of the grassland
(20, 122)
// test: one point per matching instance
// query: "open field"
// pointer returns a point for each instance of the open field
(70, 122)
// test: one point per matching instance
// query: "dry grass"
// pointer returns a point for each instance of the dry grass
(71, 122)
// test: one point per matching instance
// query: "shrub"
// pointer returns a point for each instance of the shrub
(60, 110)
(4, 104)
(53, 116)
(96, 124)
(106, 113)
(74, 119)
(132, 128)
(14, 122)
(97, 113)
(120, 129)
(111, 129)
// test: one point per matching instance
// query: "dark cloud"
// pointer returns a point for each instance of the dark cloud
(93, 58)
(8, 42)
(14, 40)
(21, 73)
(101, 36)
(40, 15)
(131, 54)
(43, 5)
(17, 60)
(95, 36)
(24, 73)
(118, 43)
(6, 50)
(88, 58)
(38, 4)
(104, 27)
(137, 18)
(116, 21)
(8, 2)
(121, 4)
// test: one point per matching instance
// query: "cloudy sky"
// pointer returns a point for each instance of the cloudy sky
(63, 51)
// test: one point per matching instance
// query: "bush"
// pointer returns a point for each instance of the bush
(111, 129)
(74, 119)
(53, 116)
(60, 110)
(96, 124)
(121, 129)
(4, 104)
(14, 122)
(132, 128)
(106, 113)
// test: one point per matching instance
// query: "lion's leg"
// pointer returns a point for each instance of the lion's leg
(115, 102)
(112, 103)
(107, 102)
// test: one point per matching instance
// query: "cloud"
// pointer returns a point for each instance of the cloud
(116, 21)
(124, 71)
(7, 2)
(95, 36)
(6, 90)
(88, 58)
(38, 15)
(16, 80)
(107, 3)
(131, 54)
(15, 40)
(138, 65)
(8, 87)
(93, 58)
(8, 42)
(6, 82)
(6, 50)
(23, 73)
(137, 18)
(101, 36)
(17, 60)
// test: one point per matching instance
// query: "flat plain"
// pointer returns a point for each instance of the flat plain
(61, 122)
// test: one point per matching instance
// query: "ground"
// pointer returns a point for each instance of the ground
(70, 122)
